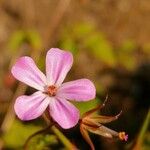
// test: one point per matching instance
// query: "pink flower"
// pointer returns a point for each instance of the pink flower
(52, 94)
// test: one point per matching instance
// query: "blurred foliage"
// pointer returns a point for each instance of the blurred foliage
(143, 140)
(146, 140)
(100, 48)
(16, 40)
(21, 132)
(126, 54)
(85, 36)
(20, 37)
(146, 48)
(42, 142)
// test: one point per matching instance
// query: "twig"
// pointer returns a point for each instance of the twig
(10, 115)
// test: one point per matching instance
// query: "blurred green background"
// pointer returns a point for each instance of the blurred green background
(110, 41)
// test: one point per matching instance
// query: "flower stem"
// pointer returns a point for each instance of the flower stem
(34, 134)
(59, 134)
(142, 132)
(63, 139)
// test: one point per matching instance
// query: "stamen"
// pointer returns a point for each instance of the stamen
(123, 136)
(51, 90)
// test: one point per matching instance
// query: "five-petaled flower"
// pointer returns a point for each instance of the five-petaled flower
(52, 94)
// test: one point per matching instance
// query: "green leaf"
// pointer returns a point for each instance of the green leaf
(146, 48)
(101, 48)
(128, 46)
(16, 40)
(18, 134)
(34, 39)
(69, 44)
(83, 29)
(128, 61)
(86, 106)
(42, 142)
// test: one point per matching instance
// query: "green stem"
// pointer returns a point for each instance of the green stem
(59, 134)
(142, 132)
(63, 139)
(34, 134)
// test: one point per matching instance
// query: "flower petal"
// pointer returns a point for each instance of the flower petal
(78, 90)
(58, 63)
(26, 71)
(63, 112)
(31, 107)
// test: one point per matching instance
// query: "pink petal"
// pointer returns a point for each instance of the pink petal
(26, 71)
(31, 107)
(63, 112)
(58, 63)
(78, 90)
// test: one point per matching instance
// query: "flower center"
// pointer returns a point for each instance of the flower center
(51, 90)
